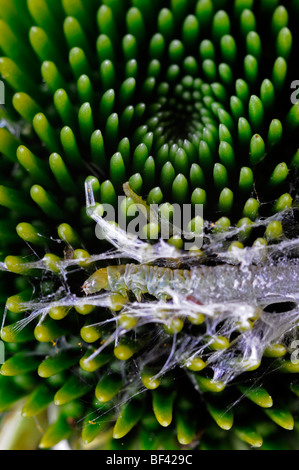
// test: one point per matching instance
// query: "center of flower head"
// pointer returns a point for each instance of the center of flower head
(179, 110)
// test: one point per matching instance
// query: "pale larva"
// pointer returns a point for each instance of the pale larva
(205, 284)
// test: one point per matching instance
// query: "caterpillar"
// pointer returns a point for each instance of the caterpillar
(224, 282)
